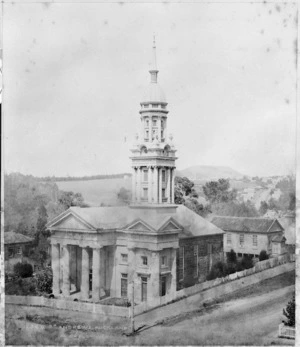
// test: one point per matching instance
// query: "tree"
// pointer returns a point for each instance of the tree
(219, 191)
(194, 205)
(184, 185)
(263, 255)
(263, 208)
(235, 209)
(23, 270)
(68, 199)
(44, 280)
(289, 313)
(124, 195)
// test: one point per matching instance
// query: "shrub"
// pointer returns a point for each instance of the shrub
(246, 262)
(289, 312)
(231, 257)
(44, 280)
(263, 255)
(23, 270)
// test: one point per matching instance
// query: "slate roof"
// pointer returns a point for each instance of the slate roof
(119, 217)
(244, 224)
(11, 237)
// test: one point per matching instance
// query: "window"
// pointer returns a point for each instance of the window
(145, 175)
(154, 122)
(155, 105)
(254, 240)
(163, 106)
(163, 193)
(146, 106)
(10, 252)
(147, 122)
(124, 258)
(144, 260)
(163, 260)
(163, 285)
(242, 239)
(195, 270)
(144, 288)
(162, 134)
(147, 134)
(163, 175)
(19, 250)
(162, 123)
(228, 239)
(124, 285)
(181, 263)
(145, 193)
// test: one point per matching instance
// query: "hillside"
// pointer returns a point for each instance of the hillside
(202, 172)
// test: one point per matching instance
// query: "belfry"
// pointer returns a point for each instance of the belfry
(153, 155)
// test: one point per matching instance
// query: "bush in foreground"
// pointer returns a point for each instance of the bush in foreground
(23, 270)
(289, 312)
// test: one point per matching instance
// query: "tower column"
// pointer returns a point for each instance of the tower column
(149, 184)
(96, 274)
(155, 184)
(139, 186)
(160, 186)
(85, 273)
(133, 184)
(159, 129)
(150, 128)
(173, 185)
(168, 175)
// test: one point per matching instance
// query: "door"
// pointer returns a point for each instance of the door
(163, 285)
(91, 279)
(144, 288)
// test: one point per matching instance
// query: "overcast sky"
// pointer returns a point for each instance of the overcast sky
(74, 75)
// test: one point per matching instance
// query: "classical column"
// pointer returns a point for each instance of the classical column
(131, 283)
(85, 274)
(155, 185)
(55, 260)
(66, 271)
(155, 276)
(139, 179)
(173, 273)
(172, 185)
(133, 184)
(149, 184)
(168, 176)
(160, 185)
(96, 274)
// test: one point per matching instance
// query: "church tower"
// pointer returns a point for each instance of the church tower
(153, 154)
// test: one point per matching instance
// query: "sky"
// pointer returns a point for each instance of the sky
(74, 76)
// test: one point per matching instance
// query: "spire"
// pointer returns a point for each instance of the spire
(153, 71)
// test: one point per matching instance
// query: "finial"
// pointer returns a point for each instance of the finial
(153, 71)
(154, 40)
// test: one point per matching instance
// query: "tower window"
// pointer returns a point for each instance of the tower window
(154, 122)
(162, 134)
(147, 134)
(163, 260)
(144, 260)
(145, 175)
(163, 193)
(146, 106)
(163, 175)
(162, 123)
(145, 193)
(147, 122)
(163, 106)
(155, 105)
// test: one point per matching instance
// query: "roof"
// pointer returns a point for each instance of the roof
(118, 217)
(278, 238)
(154, 93)
(11, 237)
(246, 224)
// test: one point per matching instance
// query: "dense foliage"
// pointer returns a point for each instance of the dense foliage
(23, 270)
(124, 195)
(219, 191)
(263, 255)
(44, 280)
(290, 313)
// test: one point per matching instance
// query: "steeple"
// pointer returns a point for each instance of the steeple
(153, 154)
(153, 71)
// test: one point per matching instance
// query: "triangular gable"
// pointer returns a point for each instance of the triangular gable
(70, 221)
(171, 225)
(139, 225)
(276, 226)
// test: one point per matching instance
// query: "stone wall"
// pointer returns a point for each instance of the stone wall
(107, 310)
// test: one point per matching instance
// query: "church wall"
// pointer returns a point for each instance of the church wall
(197, 261)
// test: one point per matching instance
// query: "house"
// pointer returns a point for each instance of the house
(249, 235)
(148, 249)
(16, 249)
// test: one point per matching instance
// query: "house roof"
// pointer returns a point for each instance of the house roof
(11, 237)
(119, 217)
(278, 238)
(246, 224)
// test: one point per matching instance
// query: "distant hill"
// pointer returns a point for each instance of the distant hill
(203, 172)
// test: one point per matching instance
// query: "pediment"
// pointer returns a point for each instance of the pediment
(139, 226)
(170, 225)
(71, 222)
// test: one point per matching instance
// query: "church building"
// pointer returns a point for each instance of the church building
(152, 246)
